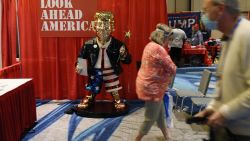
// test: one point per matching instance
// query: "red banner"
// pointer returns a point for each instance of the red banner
(67, 18)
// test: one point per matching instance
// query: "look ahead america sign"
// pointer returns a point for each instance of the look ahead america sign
(67, 18)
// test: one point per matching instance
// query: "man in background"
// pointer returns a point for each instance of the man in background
(206, 33)
(176, 44)
(197, 37)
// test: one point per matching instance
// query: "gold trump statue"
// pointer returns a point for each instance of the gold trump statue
(104, 55)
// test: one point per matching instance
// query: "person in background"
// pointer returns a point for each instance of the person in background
(197, 37)
(178, 39)
(206, 33)
(153, 79)
(229, 113)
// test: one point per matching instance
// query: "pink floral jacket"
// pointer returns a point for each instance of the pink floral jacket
(155, 73)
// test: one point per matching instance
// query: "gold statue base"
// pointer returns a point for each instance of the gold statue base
(100, 109)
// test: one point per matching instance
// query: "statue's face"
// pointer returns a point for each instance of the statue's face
(103, 30)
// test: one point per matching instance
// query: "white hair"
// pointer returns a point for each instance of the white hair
(160, 34)
(232, 6)
(157, 36)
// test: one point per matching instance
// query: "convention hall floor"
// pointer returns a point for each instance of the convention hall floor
(54, 125)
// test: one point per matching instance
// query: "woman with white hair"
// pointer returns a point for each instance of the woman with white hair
(153, 80)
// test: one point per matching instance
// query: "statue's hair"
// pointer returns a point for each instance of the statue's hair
(106, 16)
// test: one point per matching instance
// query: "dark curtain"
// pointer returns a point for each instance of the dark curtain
(9, 32)
(50, 61)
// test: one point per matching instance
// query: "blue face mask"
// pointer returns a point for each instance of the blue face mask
(209, 24)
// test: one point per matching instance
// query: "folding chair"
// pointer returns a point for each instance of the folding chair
(200, 101)
(171, 82)
(202, 89)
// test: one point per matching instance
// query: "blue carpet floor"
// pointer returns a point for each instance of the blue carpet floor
(51, 120)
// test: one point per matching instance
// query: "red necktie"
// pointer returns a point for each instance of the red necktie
(102, 62)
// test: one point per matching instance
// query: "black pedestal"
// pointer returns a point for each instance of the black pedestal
(100, 109)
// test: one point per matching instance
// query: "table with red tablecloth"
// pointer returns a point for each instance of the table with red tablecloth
(201, 51)
(17, 108)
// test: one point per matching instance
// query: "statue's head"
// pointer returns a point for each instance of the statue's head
(104, 25)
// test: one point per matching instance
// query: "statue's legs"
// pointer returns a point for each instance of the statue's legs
(87, 101)
(94, 87)
(119, 105)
